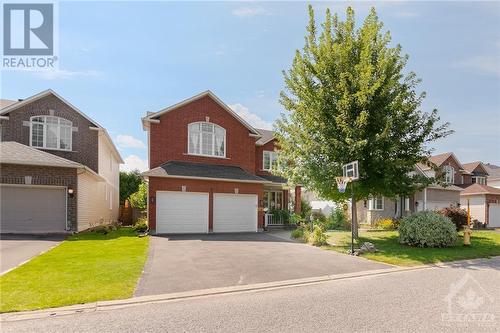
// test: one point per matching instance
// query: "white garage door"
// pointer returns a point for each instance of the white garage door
(181, 212)
(494, 215)
(235, 212)
(32, 209)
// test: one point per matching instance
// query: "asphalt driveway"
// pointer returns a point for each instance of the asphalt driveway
(182, 263)
(16, 249)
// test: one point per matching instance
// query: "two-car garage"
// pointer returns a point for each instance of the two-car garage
(190, 212)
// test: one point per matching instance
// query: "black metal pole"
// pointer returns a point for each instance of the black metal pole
(353, 218)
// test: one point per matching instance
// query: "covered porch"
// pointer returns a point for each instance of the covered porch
(279, 202)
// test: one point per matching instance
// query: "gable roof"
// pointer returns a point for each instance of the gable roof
(439, 159)
(470, 167)
(12, 152)
(13, 106)
(155, 115)
(6, 102)
(192, 170)
(266, 136)
(480, 189)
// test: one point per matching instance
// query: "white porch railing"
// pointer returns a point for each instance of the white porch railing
(271, 220)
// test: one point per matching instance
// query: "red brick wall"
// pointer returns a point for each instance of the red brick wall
(458, 175)
(259, 152)
(194, 185)
(168, 139)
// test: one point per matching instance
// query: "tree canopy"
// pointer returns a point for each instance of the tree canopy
(129, 183)
(348, 97)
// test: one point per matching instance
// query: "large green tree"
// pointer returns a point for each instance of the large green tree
(129, 183)
(348, 97)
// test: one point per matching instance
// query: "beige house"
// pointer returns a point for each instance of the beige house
(484, 203)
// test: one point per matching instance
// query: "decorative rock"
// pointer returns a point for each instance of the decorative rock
(367, 247)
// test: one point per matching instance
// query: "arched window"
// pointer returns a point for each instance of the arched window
(449, 174)
(50, 132)
(206, 139)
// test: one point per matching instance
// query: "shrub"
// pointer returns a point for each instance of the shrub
(296, 219)
(317, 237)
(338, 220)
(427, 229)
(386, 224)
(298, 233)
(141, 225)
(139, 199)
(457, 215)
(281, 214)
(305, 209)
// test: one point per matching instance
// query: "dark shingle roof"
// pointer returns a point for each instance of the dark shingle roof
(266, 136)
(274, 179)
(190, 169)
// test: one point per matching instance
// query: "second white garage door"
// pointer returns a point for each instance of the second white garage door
(494, 215)
(181, 212)
(235, 212)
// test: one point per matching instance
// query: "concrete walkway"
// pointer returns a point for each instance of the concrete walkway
(184, 263)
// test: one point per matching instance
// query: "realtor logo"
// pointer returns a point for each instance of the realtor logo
(28, 29)
(30, 39)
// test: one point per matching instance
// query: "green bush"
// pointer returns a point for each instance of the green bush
(281, 214)
(139, 199)
(296, 219)
(317, 237)
(141, 225)
(457, 215)
(298, 233)
(338, 220)
(427, 229)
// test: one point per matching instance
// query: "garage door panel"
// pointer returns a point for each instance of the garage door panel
(235, 213)
(494, 215)
(181, 212)
(31, 209)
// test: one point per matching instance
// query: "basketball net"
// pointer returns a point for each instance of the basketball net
(342, 183)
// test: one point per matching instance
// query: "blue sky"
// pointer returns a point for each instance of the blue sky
(121, 59)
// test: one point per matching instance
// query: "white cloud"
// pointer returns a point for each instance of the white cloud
(128, 141)
(134, 162)
(250, 117)
(250, 11)
(62, 74)
(485, 64)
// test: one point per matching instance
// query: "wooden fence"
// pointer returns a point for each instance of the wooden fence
(130, 215)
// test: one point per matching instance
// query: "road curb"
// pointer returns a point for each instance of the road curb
(116, 304)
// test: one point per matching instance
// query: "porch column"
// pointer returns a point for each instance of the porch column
(298, 190)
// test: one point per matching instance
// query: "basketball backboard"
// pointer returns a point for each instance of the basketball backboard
(351, 170)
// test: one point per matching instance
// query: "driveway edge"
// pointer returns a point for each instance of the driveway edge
(161, 298)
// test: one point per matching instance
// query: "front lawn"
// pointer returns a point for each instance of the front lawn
(85, 268)
(484, 244)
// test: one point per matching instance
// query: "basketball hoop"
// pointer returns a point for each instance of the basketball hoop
(342, 183)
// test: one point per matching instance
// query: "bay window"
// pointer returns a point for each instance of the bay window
(206, 139)
(51, 132)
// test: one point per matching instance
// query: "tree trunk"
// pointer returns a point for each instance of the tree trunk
(354, 218)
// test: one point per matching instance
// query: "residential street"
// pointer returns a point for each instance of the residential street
(398, 302)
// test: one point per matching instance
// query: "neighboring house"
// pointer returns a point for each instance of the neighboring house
(59, 169)
(493, 178)
(433, 197)
(484, 203)
(210, 171)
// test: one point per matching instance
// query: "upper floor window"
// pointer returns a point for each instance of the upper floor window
(206, 139)
(269, 160)
(449, 174)
(50, 132)
(479, 180)
(376, 203)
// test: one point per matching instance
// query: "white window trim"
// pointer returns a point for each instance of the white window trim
(448, 169)
(44, 124)
(371, 204)
(273, 155)
(213, 146)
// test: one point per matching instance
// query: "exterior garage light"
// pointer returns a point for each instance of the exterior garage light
(71, 192)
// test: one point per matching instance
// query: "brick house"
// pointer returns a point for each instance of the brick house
(433, 197)
(59, 169)
(210, 171)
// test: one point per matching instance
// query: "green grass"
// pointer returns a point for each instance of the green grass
(85, 268)
(484, 244)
